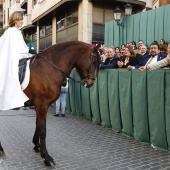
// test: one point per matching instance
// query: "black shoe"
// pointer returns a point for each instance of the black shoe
(17, 108)
(63, 115)
(56, 115)
(24, 108)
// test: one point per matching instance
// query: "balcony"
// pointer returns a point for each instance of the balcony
(27, 20)
(23, 4)
(137, 4)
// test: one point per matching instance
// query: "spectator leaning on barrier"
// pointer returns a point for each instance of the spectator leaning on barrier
(159, 64)
(153, 57)
(143, 52)
(130, 58)
(111, 60)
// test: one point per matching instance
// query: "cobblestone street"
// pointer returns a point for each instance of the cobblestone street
(75, 144)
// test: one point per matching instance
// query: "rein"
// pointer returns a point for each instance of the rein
(61, 70)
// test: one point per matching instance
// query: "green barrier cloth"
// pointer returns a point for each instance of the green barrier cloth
(94, 101)
(159, 23)
(155, 81)
(167, 106)
(136, 25)
(77, 94)
(103, 98)
(150, 26)
(129, 26)
(68, 107)
(126, 101)
(144, 26)
(113, 96)
(166, 24)
(85, 103)
(71, 94)
(139, 103)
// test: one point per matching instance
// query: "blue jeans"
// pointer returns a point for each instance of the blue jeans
(61, 101)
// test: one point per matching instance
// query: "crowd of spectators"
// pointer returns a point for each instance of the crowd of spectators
(131, 56)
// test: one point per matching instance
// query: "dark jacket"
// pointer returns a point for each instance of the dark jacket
(140, 56)
(147, 57)
(110, 63)
(132, 61)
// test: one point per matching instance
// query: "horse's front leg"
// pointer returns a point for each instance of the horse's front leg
(41, 113)
(36, 140)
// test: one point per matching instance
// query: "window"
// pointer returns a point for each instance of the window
(42, 31)
(72, 17)
(67, 19)
(61, 22)
(48, 29)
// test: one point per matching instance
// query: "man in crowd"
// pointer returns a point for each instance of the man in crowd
(111, 60)
(153, 57)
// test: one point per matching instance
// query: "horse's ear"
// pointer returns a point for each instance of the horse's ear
(96, 48)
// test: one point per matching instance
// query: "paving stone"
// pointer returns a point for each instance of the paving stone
(75, 144)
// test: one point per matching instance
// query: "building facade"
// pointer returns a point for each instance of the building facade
(159, 3)
(1, 13)
(47, 22)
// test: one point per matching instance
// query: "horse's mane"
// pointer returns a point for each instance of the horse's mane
(63, 45)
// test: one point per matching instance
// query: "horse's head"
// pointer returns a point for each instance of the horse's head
(89, 67)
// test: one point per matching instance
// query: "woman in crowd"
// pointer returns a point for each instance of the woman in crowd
(129, 58)
(163, 49)
(117, 51)
(159, 64)
(162, 41)
(134, 45)
(104, 54)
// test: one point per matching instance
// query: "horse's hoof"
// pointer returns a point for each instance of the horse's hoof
(49, 163)
(36, 149)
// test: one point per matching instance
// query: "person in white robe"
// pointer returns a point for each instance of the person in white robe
(12, 49)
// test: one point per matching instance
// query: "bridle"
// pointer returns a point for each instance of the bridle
(83, 81)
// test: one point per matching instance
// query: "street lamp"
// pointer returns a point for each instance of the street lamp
(117, 16)
(117, 13)
(128, 9)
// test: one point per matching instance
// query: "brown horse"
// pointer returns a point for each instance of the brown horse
(48, 71)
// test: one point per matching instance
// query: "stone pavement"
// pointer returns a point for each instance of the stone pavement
(75, 144)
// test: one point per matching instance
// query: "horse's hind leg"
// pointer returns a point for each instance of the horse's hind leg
(41, 113)
(36, 140)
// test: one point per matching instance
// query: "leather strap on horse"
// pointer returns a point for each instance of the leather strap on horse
(59, 69)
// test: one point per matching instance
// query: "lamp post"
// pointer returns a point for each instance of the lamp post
(117, 16)
(117, 13)
(128, 9)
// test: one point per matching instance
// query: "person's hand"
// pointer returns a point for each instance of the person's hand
(142, 68)
(129, 67)
(120, 63)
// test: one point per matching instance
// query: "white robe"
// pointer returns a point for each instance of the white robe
(12, 48)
